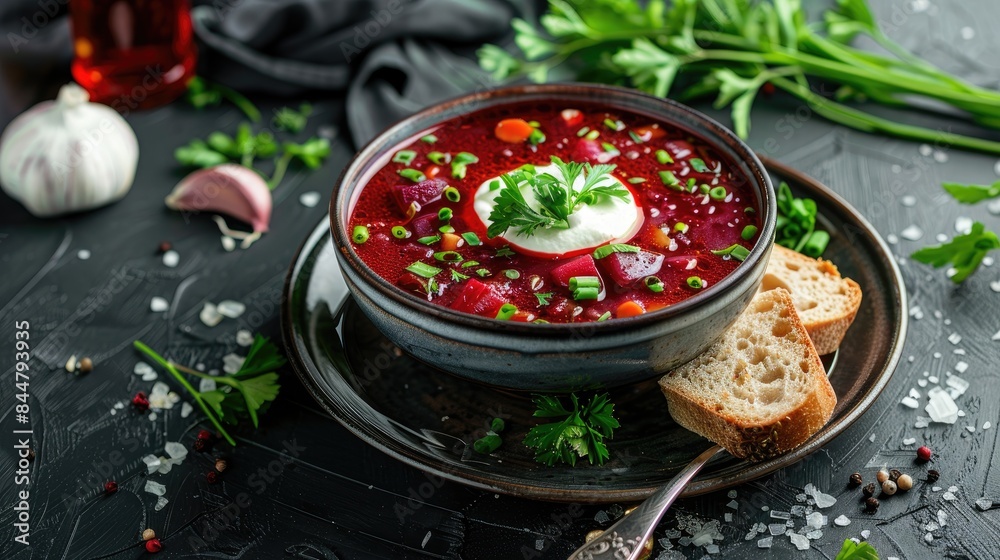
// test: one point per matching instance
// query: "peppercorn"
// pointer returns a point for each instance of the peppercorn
(165, 246)
(882, 476)
(110, 487)
(924, 454)
(220, 465)
(905, 482)
(148, 534)
(888, 488)
(871, 505)
(856, 480)
(140, 401)
(200, 445)
(933, 476)
(153, 546)
(894, 475)
(869, 490)
(212, 477)
(204, 434)
(86, 365)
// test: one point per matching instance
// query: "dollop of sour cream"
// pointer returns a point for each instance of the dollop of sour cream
(610, 220)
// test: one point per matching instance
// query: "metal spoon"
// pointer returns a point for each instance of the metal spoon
(626, 539)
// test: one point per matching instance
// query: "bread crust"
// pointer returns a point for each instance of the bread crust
(745, 438)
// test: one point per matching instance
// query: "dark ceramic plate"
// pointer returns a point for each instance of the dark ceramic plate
(429, 418)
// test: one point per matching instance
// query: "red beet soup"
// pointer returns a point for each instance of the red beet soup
(545, 213)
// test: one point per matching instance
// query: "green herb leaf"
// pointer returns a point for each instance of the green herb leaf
(312, 153)
(607, 250)
(971, 194)
(577, 433)
(964, 253)
(543, 298)
(199, 154)
(857, 551)
(423, 269)
(291, 120)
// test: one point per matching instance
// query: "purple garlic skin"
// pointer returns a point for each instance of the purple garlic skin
(228, 189)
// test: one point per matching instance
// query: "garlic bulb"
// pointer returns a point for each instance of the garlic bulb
(67, 155)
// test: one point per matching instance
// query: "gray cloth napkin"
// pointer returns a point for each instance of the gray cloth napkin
(391, 57)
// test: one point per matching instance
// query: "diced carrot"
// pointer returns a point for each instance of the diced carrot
(661, 238)
(432, 171)
(450, 241)
(649, 132)
(571, 117)
(513, 131)
(655, 307)
(629, 309)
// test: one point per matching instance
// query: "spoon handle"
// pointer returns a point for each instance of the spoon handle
(625, 539)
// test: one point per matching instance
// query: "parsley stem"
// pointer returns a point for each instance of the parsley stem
(238, 99)
(280, 167)
(170, 367)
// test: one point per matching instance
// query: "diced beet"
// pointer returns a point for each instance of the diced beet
(682, 262)
(412, 283)
(592, 151)
(578, 266)
(423, 193)
(478, 298)
(627, 268)
(424, 225)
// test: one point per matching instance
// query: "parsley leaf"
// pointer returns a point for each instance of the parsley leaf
(971, 194)
(579, 433)
(199, 154)
(796, 224)
(201, 93)
(556, 196)
(964, 253)
(291, 120)
(856, 551)
(251, 388)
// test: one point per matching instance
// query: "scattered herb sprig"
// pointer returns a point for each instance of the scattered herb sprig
(796, 224)
(732, 49)
(556, 196)
(576, 432)
(964, 253)
(202, 93)
(856, 551)
(250, 389)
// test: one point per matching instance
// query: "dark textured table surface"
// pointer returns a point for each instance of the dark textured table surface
(303, 486)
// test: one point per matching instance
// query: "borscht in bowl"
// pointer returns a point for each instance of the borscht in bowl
(554, 237)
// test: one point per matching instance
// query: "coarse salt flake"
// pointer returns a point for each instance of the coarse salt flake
(171, 258)
(231, 363)
(309, 199)
(954, 338)
(941, 408)
(766, 542)
(158, 304)
(186, 410)
(230, 308)
(912, 233)
(984, 504)
(161, 502)
(800, 541)
(909, 402)
(210, 315)
(960, 367)
(155, 488)
(909, 441)
(244, 338)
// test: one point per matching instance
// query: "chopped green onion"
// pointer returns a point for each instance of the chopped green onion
(512, 274)
(439, 158)
(681, 227)
(718, 193)
(582, 131)
(578, 282)
(447, 228)
(691, 183)
(412, 174)
(423, 269)
(586, 293)
(669, 179)
(399, 232)
(698, 165)
(543, 298)
(654, 284)
(636, 180)
(507, 311)
(540, 321)
(494, 185)
(360, 234)
(749, 232)
(816, 244)
(470, 264)
(604, 317)
(404, 156)
(429, 139)
(704, 189)
(457, 276)
(471, 238)
(735, 251)
(749, 210)
(605, 250)
(466, 157)
(613, 125)
(695, 282)
(593, 134)
(536, 137)
(635, 137)
(497, 425)
(452, 194)
(429, 239)
(482, 272)
(609, 147)
(448, 256)
(534, 124)
(488, 443)
(445, 214)
(460, 162)
(663, 157)
(505, 252)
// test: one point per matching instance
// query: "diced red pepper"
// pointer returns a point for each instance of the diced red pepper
(478, 298)
(626, 269)
(423, 193)
(572, 117)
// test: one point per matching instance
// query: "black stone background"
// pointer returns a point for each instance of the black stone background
(339, 498)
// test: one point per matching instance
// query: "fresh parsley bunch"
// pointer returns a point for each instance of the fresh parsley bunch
(733, 48)
(964, 253)
(577, 432)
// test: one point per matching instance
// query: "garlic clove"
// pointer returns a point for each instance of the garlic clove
(228, 189)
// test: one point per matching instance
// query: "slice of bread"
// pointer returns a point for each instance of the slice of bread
(760, 390)
(826, 302)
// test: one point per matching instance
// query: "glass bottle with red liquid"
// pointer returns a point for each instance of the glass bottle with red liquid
(132, 54)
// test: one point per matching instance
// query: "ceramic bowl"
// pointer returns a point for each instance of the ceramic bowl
(554, 357)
